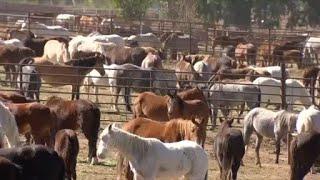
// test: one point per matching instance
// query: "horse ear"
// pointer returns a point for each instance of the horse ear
(230, 121)
(110, 127)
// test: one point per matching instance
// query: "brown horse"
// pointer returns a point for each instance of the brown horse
(78, 114)
(186, 74)
(35, 119)
(14, 98)
(310, 76)
(229, 150)
(227, 40)
(72, 73)
(67, 147)
(9, 170)
(246, 52)
(189, 109)
(153, 106)
(304, 152)
(265, 54)
(172, 131)
(244, 73)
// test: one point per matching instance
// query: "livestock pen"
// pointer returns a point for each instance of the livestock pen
(107, 169)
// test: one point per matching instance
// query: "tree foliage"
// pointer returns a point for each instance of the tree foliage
(133, 9)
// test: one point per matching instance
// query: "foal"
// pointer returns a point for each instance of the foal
(229, 150)
(189, 109)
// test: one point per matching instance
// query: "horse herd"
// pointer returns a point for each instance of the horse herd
(167, 134)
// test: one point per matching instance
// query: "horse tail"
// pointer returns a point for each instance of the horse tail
(248, 125)
(292, 157)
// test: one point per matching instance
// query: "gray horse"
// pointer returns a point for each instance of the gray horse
(132, 77)
(266, 123)
(226, 96)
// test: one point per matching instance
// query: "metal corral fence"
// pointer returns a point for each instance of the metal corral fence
(105, 96)
(198, 33)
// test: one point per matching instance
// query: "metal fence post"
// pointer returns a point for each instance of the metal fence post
(312, 90)
(190, 40)
(207, 38)
(283, 86)
(28, 21)
(111, 25)
(269, 47)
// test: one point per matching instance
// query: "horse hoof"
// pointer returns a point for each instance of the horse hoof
(94, 161)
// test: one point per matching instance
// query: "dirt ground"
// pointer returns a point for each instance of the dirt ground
(106, 170)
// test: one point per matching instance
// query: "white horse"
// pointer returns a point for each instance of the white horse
(149, 158)
(56, 52)
(309, 120)
(275, 71)
(271, 92)
(13, 42)
(8, 128)
(312, 49)
(95, 80)
(266, 123)
(42, 30)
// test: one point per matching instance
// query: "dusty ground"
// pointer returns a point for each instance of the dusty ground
(106, 169)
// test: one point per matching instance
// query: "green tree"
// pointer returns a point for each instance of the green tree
(133, 9)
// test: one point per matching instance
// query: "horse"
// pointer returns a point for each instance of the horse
(227, 40)
(171, 131)
(309, 120)
(186, 74)
(8, 128)
(225, 96)
(56, 52)
(70, 74)
(310, 76)
(13, 42)
(78, 114)
(67, 147)
(311, 49)
(229, 150)
(150, 158)
(36, 161)
(265, 51)
(150, 105)
(35, 119)
(274, 71)
(9, 55)
(152, 61)
(189, 109)
(29, 81)
(271, 92)
(304, 152)
(132, 77)
(246, 52)
(266, 123)
(9, 170)
(14, 98)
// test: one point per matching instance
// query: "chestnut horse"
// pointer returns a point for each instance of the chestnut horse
(14, 98)
(189, 109)
(172, 131)
(78, 114)
(153, 106)
(35, 119)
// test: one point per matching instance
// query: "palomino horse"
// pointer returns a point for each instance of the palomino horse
(269, 124)
(229, 150)
(171, 131)
(35, 119)
(150, 158)
(8, 128)
(78, 114)
(72, 73)
(189, 109)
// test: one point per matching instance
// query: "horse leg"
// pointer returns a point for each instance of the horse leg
(214, 113)
(78, 92)
(278, 141)
(127, 98)
(96, 89)
(8, 74)
(257, 149)
(234, 169)
(242, 106)
(14, 76)
(115, 93)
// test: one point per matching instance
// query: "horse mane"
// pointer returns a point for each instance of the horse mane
(139, 145)
(83, 62)
(54, 100)
(184, 127)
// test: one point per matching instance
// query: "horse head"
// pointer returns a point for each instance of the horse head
(174, 105)
(100, 60)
